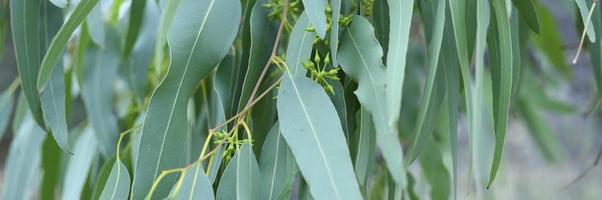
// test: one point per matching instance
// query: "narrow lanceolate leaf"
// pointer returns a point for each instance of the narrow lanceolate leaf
(118, 185)
(360, 57)
(195, 185)
(200, 36)
(500, 54)
(54, 100)
(432, 92)
(23, 162)
(366, 148)
(53, 105)
(584, 11)
(97, 92)
(136, 20)
(167, 12)
(242, 179)
(299, 46)
(400, 18)
(528, 13)
(79, 165)
(316, 12)
(310, 126)
(478, 119)
(51, 167)
(334, 30)
(25, 26)
(59, 42)
(277, 164)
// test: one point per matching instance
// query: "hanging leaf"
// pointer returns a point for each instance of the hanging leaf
(96, 26)
(310, 126)
(196, 48)
(277, 164)
(360, 57)
(584, 11)
(551, 43)
(118, 183)
(366, 148)
(334, 30)
(241, 178)
(400, 17)
(51, 166)
(54, 107)
(97, 92)
(299, 46)
(500, 59)
(25, 25)
(59, 42)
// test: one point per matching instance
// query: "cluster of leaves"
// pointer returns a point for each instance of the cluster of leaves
(254, 99)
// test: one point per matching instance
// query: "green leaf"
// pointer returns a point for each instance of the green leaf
(299, 46)
(584, 11)
(311, 128)
(435, 171)
(136, 20)
(60, 40)
(79, 165)
(528, 13)
(97, 92)
(200, 36)
(118, 184)
(316, 12)
(21, 111)
(366, 148)
(54, 107)
(226, 84)
(360, 57)
(23, 162)
(25, 25)
(334, 30)
(277, 164)
(241, 179)
(400, 18)
(195, 185)
(501, 63)
(102, 177)
(380, 21)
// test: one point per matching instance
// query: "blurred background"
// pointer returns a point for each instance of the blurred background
(528, 170)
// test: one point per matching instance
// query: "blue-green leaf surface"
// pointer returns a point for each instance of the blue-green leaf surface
(195, 185)
(277, 164)
(335, 5)
(299, 46)
(6, 109)
(310, 126)
(53, 105)
(242, 180)
(25, 26)
(500, 54)
(360, 57)
(200, 36)
(400, 18)
(117, 186)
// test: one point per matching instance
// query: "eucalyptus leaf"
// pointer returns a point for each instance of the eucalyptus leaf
(360, 57)
(196, 48)
(241, 178)
(277, 165)
(118, 183)
(316, 12)
(501, 63)
(584, 11)
(6, 109)
(299, 46)
(310, 126)
(195, 185)
(79, 165)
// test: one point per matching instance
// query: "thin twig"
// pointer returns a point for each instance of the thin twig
(586, 171)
